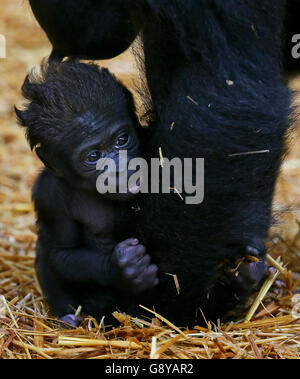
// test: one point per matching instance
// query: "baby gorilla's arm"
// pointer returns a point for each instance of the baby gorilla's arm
(63, 267)
(64, 256)
(125, 266)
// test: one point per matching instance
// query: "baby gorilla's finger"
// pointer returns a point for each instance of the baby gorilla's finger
(128, 242)
(135, 268)
(135, 252)
(131, 255)
(147, 280)
(126, 255)
(152, 270)
(142, 263)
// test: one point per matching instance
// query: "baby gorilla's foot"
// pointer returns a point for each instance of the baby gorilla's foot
(135, 268)
(71, 320)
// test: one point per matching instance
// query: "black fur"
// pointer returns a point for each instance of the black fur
(67, 92)
(214, 70)
(227, 59)
(106, 34)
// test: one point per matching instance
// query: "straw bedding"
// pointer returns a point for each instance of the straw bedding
(27, 330)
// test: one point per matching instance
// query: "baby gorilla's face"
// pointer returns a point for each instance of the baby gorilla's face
(88, 117)
(102, 160)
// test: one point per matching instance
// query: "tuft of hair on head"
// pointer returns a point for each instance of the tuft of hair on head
(62, 91)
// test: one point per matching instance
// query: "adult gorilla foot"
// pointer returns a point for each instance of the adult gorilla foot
(248, 273)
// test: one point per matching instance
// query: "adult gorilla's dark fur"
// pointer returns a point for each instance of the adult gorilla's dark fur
(214, 70)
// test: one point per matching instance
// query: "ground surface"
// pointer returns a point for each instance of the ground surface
(25, 329)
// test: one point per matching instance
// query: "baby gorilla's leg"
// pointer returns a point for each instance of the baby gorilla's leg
(134, 266)
(63, 299)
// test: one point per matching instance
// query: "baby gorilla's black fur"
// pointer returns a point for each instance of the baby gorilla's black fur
(76, 113)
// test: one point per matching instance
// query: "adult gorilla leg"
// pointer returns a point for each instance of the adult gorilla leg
(90, 29)
(219, 96)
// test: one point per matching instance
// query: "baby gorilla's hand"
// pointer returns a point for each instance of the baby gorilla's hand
(135, 268)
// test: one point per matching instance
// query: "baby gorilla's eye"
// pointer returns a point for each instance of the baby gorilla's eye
(93, 157)
(122, 140)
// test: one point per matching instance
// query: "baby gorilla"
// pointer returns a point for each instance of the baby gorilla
(77, 114)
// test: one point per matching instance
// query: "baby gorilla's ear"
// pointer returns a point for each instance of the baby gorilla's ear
(21, 116)
(39, 153)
